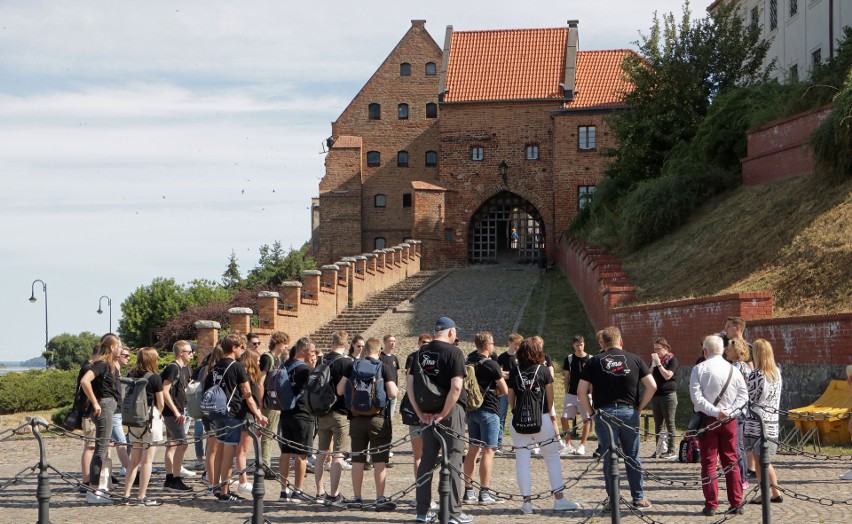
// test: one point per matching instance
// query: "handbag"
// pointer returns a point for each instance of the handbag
(696, 421)
(409, 416)
(73, 419)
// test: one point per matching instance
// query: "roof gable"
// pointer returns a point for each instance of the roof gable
(600, 79)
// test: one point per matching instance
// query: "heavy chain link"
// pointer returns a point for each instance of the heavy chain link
(825, 501)
(816, 456)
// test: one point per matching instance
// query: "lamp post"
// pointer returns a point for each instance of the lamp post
(33, 300)
(503, 169)
(109, 305)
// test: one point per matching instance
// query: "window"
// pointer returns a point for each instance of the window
(402, 159)
(374, 158)
(532, 152)
(584, 196)
(794, 7)
(431, 110)
(379, 243)
(477, 153)
(431, 158)
(380, 200)
(406, 200)
(448, 235)
(794, 73)
(405, 69)
(773, 15)
(816, 57)
(402, 111)
(431, 70)
(587, 137)
(755, 16)
(375, 111)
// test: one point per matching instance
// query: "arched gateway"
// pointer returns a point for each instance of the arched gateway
(506, 228)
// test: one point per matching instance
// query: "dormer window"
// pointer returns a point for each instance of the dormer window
(405, 69)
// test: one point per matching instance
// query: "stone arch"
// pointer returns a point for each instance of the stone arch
(506, 227)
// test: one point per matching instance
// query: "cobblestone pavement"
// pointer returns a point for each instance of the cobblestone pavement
(476, 299)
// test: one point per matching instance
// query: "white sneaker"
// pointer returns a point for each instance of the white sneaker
(581, 450)
(185, 472)
(122, 472)
(346, 466)
(433, 505)
(100, 496)
(564, 504)
(567, 449)
(390, 453)
(245, 487)
(526, 508)
(326, 466)
(469, 497)
(536, 450)
(847, 475)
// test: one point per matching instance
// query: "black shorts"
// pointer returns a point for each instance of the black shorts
(299, 430)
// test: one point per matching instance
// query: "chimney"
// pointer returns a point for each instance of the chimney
(569, 83)
(445, 60)
(420, 24)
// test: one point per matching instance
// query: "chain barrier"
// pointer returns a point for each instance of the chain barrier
(687, 484)
(61, 431)
(825, 501)
(792, 450)
(12, 432)
(816, 416)
(19, 476)
(320, 452)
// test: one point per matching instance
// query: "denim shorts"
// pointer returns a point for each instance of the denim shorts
(118, 435)
(228, 430)
(484, 426)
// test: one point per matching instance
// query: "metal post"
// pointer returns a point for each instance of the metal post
(443, 479)
(43, 489)
(612, 476)
(258, 489)
(765, 492)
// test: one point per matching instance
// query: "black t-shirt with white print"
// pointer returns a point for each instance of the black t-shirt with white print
(523, 377)
(234, 376)
(487, 372)
(442, 362)
(615, 375)
(179, 377)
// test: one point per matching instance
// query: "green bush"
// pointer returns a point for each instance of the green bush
(36, 390)
(832, 140)
(58, 416)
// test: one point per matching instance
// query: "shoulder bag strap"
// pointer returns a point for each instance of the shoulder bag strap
(725, 387)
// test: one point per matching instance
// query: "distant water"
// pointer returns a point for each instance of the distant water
(15, 369)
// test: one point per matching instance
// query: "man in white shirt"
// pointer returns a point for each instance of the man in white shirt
(719, 395)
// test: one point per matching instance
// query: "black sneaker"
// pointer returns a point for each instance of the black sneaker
(338, 501)
(229, 498)
(708, 512)
(385, 504)
(167, 484)
(355, 503)
(735, 510)
(178, 486)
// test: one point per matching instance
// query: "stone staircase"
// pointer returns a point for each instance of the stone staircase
(358, 319)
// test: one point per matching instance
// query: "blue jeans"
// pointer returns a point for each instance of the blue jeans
(199, 444)
(118, 435)
(627, 438)
(504, 410)
(483, 427)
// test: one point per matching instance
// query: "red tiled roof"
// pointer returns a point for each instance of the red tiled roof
(513, 64)
(426, 186)
(347, 141)
(600, 79)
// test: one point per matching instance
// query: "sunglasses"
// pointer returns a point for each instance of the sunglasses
(255, 343)
(187, 351)
(125, 355)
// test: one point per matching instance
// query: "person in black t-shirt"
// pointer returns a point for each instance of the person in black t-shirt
(483, 424)
(507, 360)
(222, 446)
(572, 368)
(387, 356)
(333, 427)
(142, 455)
(415, 431)
(175, 378)
(664, 404)
(614, 376)
(297, 426)
(444, 364)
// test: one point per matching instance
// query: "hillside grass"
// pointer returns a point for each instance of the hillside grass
(793, 238)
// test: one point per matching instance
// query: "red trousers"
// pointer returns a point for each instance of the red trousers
(721, 443)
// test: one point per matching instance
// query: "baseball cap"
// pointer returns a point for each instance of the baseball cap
(444, 323)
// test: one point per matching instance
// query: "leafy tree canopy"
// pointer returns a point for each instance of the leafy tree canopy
(70, 351)
(275, 267)
(231, 278)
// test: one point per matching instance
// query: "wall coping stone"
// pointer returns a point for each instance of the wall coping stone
(371, 255)
(207, 324)
(240, 311)
(268, 294)
(330, 267)
(311, 273)
(291, 283)
(343, 264)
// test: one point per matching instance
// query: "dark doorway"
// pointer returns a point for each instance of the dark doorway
(506, 228)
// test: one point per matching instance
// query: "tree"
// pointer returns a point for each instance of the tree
(148, 309)
(70, 351)
(231, 278)
(274, 267)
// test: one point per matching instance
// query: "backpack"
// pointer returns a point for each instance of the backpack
(429, 396)
(366, 395)
(280, 392)
(135, 411)
(526, 413)
(321, 392)
(690, 450)
(475, 395)
(214, 402)
(195, 391)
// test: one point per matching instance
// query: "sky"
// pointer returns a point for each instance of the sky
(150, 139)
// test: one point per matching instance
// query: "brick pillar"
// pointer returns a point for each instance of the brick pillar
(328, 280)
(240, 319)
(311, 284)
(291, 297)
(406, 251)
(267, 305)
(208, 337)
(380, 260)
(360, 266)
(371, 262)
(343, 288)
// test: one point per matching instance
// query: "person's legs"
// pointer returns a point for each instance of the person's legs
(300, 469)
(90, 433)
(503, 404)
(380, 476)
(226, 461)
(489, 430)
(267, 439)
(199, 443)
(605, 443)
(214, 448)
(145, 471)
(455, 455)
(669, 418)
(629, 439)
(431, 447)
(522, 461)
(131, 472)
(103, 431)
(380, 435)
(242, 455)
(727, 443)
(357, 478)
(416, 446)
(550, 453)
(742, 459)
(473, 431)
(709, 442)
(120, 440)
(657, 408)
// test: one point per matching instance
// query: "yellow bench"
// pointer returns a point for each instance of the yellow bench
(825, 413)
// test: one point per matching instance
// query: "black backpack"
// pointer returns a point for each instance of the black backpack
(526, 413)
(321, 391)
(429, 396)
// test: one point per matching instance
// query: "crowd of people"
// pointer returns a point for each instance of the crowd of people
(334, 412)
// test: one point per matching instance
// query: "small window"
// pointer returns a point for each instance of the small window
(794, 73)
(375, 111)
(773, 15)
(380, 200)
(402, 159)
(402, 111)
(406, 200)
(755, 16)
(794, 7)
(448, 235)
(379, 243)
(431, 158)
(584, 196)
(477, 153)
(374, 159)
(816, 57)
(431, 70)
(532, 152)
(405, 69)
(587, 138)
(431, 110)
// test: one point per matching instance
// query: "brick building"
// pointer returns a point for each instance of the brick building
(484, 149)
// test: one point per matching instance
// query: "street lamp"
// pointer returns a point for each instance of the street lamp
(503, 169)
(100, 310)
(33, 300)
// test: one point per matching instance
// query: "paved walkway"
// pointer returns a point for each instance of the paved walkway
(477, 299)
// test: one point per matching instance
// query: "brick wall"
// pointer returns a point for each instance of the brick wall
(605, 293)
(780, 150)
